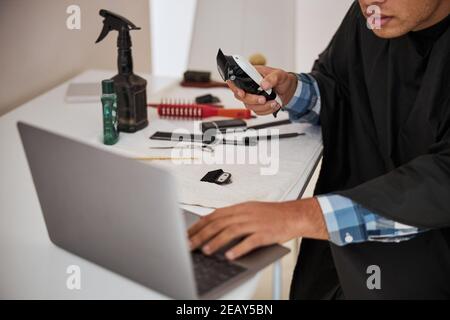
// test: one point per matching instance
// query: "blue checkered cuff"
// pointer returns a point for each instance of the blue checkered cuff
(305, 104)
(349, 222)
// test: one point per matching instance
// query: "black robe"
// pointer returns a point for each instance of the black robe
(385, 121)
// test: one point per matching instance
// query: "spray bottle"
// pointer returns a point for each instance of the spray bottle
(130, 88)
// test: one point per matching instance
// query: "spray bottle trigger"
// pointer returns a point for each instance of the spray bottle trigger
(116, 22)
(104, 33)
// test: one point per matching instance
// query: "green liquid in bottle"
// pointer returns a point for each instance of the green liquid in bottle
(109, 103)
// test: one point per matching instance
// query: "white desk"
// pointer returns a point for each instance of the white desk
(31, 266)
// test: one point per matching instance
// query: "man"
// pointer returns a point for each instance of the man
(382, 98)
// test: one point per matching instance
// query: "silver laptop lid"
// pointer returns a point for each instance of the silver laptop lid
(119, 213)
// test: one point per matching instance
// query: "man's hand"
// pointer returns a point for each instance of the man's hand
(260, 224)
(282, 82)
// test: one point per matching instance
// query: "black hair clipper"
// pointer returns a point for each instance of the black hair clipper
(244, 76)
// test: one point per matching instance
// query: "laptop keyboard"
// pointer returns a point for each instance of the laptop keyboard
(212, 271)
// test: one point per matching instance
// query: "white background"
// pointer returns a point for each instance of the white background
(296, 31)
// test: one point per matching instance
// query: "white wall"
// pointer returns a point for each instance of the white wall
(316, 23)
(291, 33)
(171, 23)
(243, 27)
(39, 52)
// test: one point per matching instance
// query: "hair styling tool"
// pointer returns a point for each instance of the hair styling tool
(198, 111)
(244, 75)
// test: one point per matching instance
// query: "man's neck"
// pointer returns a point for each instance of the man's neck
(441, 12)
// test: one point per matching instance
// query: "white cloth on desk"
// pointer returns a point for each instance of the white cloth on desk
(248, 184)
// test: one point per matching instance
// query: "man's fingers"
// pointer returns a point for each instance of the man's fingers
(248, 244)
(217, 214)
(267, 108)
(272, 79)
(238, 97)
(238, 93)
(232, 86)
(247, 98)
(196, 227)
(207, 233)
(228, 234)
(253, 99)
(264, 70)
(212, 229)
(264, 112)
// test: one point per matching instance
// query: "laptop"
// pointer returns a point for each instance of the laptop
(124, 215)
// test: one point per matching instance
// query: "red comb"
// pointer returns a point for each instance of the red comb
(199, 111)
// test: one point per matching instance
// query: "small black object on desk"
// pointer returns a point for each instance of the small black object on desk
(239, 125)
(217, 176)
(207, 99)
(224, 125)
(197, 76)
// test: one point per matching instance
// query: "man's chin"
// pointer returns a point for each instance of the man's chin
(388, 33)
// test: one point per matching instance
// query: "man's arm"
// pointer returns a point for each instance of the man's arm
(305, 103)
(347, 222)
(258, 224)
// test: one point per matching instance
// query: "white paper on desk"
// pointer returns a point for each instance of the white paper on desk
(248, 184)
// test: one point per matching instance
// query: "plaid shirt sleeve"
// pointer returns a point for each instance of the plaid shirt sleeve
(305, 104)
(349, 222)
